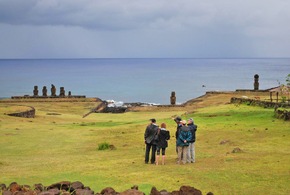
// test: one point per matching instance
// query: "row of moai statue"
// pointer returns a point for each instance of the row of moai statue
(53, 91)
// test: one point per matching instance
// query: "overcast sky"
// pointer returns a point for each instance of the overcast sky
(144, 28)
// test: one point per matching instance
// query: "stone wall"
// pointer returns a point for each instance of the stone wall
(254, 102)
(279, 113)
(282, 114)
(26, 114)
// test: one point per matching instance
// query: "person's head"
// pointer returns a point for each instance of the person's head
(153, 120)
(190, 121)
(177, 119)
(163, 125)
(183, 122)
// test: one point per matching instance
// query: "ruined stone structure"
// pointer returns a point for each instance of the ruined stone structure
(30, 113)
(35, 91)
(53, 90)
(62, 92)
(256, 82)
(44, 91)
(173, 98)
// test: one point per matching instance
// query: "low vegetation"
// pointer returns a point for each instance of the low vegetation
(240, 150)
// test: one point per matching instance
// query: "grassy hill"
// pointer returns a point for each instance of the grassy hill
(58, 144)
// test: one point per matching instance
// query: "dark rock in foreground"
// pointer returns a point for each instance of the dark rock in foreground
(77, 188)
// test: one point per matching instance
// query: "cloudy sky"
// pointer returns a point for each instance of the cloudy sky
(144, 28)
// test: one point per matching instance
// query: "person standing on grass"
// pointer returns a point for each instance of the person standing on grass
(179, 125)
(191, 148)
(162, 144)
(150, 132)
(182, 142)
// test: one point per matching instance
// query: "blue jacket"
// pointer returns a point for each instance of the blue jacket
(184, 134)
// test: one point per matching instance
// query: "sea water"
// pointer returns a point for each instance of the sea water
(139, 80)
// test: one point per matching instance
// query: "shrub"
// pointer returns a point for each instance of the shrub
(103, 146)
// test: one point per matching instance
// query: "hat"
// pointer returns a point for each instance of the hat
(183, 122)
(177, 119)
(153, 120)
(191, 120)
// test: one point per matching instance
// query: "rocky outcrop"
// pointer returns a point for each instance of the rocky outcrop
(30, 113)
(77, 188)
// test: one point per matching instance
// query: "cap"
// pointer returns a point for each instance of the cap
(177, 119)
(153, 120)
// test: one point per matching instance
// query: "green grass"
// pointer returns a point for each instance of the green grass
(52, 148)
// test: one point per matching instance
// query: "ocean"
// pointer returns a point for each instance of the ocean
(139, 80)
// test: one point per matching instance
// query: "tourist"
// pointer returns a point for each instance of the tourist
(162, 144)
(150, 132)
(182, 143)
(179, 125)
(191, 148)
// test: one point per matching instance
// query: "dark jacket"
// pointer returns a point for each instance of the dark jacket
(177, 130)
(192, 128)
(163, 136)
(149, 134)
(184, 134)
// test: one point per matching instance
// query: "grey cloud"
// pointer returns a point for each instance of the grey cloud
(99, 14)
(127, 28)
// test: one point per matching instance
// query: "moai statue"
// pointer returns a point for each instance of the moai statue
(44, 91)
(69, 93)
(53, 90)
(256, 83)
(172, 98)
(35, 91)
(62, 92)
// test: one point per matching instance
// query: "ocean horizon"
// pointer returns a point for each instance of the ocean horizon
(148, 80)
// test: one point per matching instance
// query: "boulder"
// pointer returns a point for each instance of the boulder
(76, 185)
(132, 192)
(84, 192)
(2, 187)
(13, 187)
(54, 191)
(63, 185)
(108, 191)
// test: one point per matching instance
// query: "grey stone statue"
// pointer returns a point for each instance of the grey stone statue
(53, 90)
(256, 82)
(62, 92)
(35, 91)
(173, 98)
(44, 91)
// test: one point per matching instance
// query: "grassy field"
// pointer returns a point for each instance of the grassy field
(58, 144)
